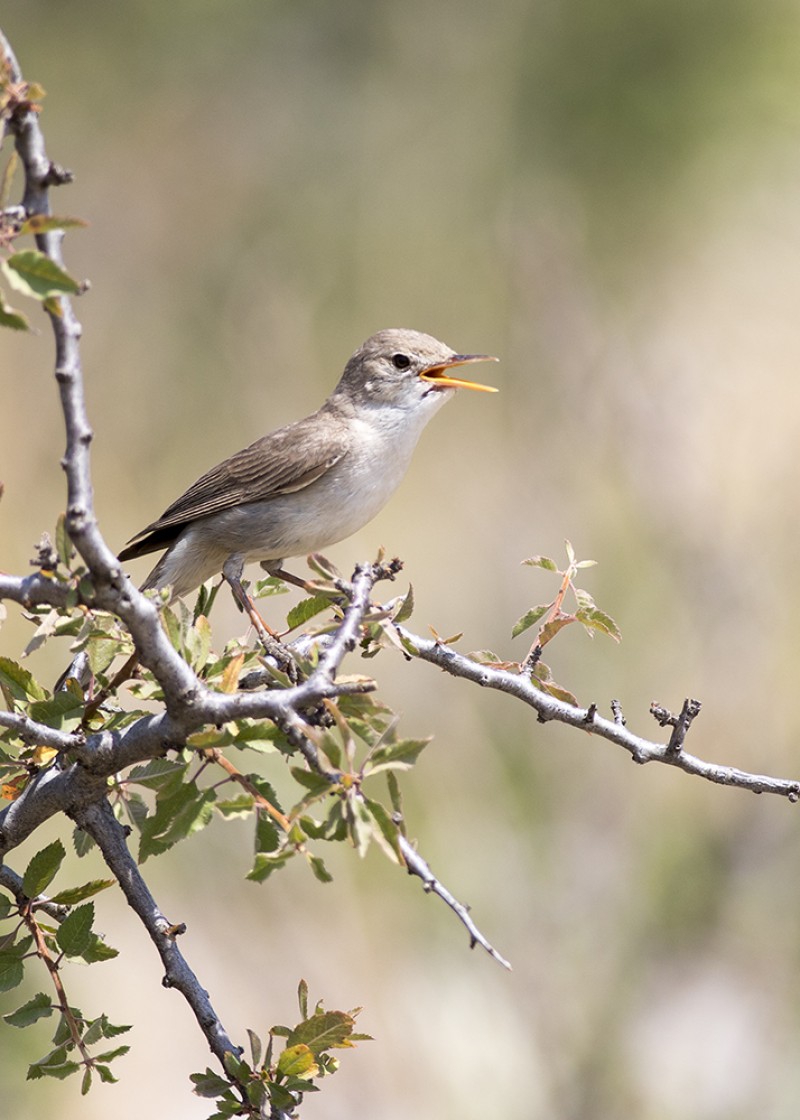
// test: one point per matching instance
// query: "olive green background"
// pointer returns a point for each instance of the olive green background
(605, 196)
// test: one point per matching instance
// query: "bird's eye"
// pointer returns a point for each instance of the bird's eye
(401, 361)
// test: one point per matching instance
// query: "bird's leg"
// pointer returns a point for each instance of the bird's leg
(273, 568)
(232, 571)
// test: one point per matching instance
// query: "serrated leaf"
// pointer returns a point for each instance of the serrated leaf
(73, 895)
(55, 1064)
(320, 871)
(75, 933)
(209, 1084)
(82, 842)
(559, 693)
(42, 869)
(266, 863)
(98, 950)
(19, 682)
(306, 609)
(598, 620)
(551, 628)
(40, 1007)
(529, 619)
(11, 971)
(542, 562)
(35, 274)
(267, 838)
(236, 807)
(325, 1030)
(63, 711)
(583, 599)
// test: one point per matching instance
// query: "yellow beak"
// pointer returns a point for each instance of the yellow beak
(437, 375)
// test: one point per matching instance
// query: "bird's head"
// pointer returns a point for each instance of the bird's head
(405, 369)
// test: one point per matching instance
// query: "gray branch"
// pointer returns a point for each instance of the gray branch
(416, 865)
(640, 749)
(100, 823)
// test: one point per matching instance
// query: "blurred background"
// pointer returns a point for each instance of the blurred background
(606, 196)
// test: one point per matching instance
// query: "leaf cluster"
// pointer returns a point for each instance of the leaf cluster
(277, 1078)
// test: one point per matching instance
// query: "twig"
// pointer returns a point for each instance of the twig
(416, 865)
(549, 708)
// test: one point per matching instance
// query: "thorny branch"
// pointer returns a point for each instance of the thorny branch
(586, 719)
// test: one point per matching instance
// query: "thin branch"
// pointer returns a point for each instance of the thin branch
(416, 865)
(39, 734)
(99, 822)
(586, 719)
(43, 953)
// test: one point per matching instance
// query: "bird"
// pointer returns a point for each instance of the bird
(313, 482)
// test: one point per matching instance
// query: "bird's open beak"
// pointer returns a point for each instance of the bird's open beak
(438, 375)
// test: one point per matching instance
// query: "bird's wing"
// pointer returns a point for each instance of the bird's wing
(282, 462)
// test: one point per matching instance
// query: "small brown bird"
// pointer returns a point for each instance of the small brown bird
(314, 482)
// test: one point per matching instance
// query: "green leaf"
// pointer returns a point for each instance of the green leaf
(74, 935)
(316, 783)
(35, 274)
(236, 807)
(584, 599)
(64, 547)
(37, 1008)
(11, 318)
(209, 1084)
(542, 562)
(54, 1064)
(406, 608)
(403, 753)
(11, 971)
(302, 998)
(298, 1061)
(306, 609)
(42, 869)
(19, 682)
(266, 863)
(106, 1075)
(63, 711)
(550, 629)
(98, 950)
(325, 1030)
(256, 1048)
(81, 842)
(598, 620)
(178, 815)
(267, 838)
(73, 895)
(529, 619)
(317, 865)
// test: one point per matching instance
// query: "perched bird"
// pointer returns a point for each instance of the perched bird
(314, 482)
